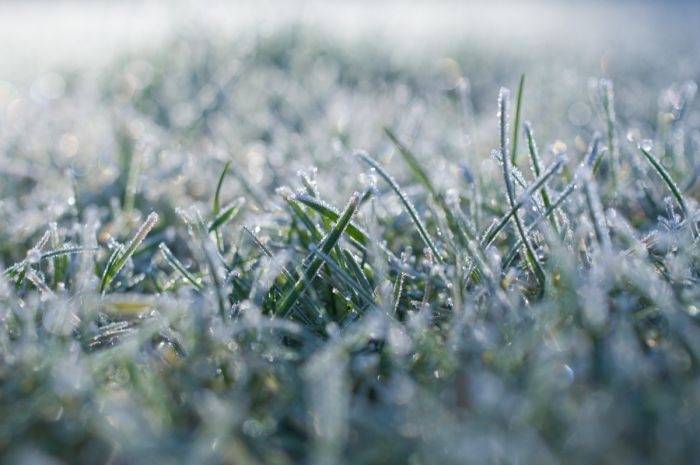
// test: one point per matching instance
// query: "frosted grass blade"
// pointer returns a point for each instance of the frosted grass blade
(119, 259)
(407, 204)
(288, 301)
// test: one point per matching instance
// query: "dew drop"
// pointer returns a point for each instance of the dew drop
(633, 135)
(647, 145)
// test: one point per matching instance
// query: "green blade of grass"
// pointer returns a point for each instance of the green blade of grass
(364, 156)
(178, 265)
(299, 213)
(119, 258)
(397, 292)
(227, 214)
(67, 251)
(609, 107)
(346, 278)
(536, 167)
(493, 231)
(462, 234)
(510, 191)
(60, 262)
(510, 256)
(267, 252)
(411, 161)
(358, 237)
(590, 160)
(330, 213)
(216, 271)
(309, 185)
(593, 155)
(12, 270)
(111, 261)
(668, 180)
(288, 301)
(257, 242)
(216, 207)
(595, 209)
(516, 125)
(357, 271)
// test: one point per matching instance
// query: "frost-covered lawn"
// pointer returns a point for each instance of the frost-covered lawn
(292, 247)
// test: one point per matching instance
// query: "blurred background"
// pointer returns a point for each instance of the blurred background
(299, 83)
(40, 35)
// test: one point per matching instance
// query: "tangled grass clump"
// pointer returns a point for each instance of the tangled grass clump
(186, 281)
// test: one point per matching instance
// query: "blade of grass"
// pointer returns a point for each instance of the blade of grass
(364, 156)
(309, 184)
(513, 251)
(609, 106)
(463, 234)
(534, 263)
(516, 124)
(588, 162)
(592, 157)
(266, 251)
(411, 161)
(344, 276)
(216, 271)
(12, 270)
(257, 242)
(668, 180)
(493, 231)
(299, 213)
(60, 262)
(288, 301)
(357, 271)
(595, 209)
(536, 167)
(397, 292)
(330, 213)
(358, 236)
(216, 207)
(119, 258)
(227, 214)
(179, 266)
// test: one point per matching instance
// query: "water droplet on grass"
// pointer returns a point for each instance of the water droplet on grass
(647, 144)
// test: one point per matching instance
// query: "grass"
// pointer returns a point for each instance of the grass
(328, 243)
(532, 259)
(412, 325)
(122, 254)
(404, 200)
